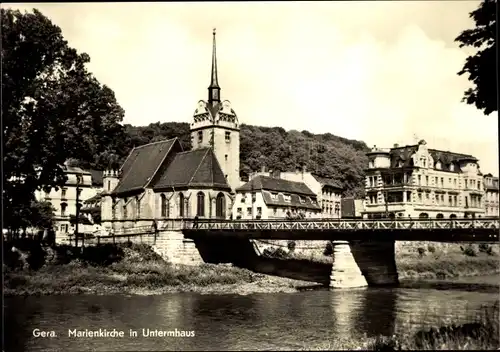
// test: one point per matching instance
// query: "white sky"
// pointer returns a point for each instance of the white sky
(376, 71)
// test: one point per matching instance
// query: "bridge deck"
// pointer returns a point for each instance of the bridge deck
(440, 230)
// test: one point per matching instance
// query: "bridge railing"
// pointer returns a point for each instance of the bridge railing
(341, 224)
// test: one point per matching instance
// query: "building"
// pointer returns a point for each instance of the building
(352, 208)
(266, 197)
(160, 181)
(64, 200)
(418, 182)
(327, 190)
(491, 195)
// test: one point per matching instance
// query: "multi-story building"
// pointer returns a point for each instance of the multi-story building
(418, 182)
(80, 185)
(491, 195)
(266, 197)
(327, 190)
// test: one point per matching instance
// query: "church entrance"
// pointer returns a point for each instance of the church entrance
(220, 206)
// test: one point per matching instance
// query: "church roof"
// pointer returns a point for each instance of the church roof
(195, 168)
(276, 184)
(142, 164)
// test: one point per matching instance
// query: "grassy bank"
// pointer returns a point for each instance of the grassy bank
(132, 269)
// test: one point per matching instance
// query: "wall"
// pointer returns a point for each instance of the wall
(376, 260)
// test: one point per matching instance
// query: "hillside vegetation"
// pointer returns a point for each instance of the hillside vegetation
(323, 154)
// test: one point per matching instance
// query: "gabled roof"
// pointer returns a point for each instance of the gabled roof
(142, 164)
(404, 154)
(195, 168)
(325, 181)
(277, 185)
(307, 203)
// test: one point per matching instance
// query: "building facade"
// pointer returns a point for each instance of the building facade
(418, 182)
(328, 192)
(160, 181)
(491, 196)
(81, 185)
(266, 197)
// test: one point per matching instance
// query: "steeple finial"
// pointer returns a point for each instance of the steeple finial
(214, 89)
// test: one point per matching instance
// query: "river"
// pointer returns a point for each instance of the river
(241, 322)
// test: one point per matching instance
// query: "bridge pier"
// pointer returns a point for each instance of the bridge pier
(345, 271)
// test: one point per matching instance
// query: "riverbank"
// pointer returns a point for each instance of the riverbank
(137, 270)
(133, 269)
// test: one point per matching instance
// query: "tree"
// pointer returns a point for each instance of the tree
(481, 66)
(52, 109)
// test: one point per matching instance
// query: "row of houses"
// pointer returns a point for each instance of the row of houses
(160, 181)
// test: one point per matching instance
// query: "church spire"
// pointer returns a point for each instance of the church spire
(214, 89)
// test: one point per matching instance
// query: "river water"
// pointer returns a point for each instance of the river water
(241, 322)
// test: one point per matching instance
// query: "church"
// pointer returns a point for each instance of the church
(161, 181)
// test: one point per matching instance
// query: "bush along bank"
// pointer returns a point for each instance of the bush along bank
(123, 268)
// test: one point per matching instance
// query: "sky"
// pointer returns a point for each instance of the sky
(383, 72)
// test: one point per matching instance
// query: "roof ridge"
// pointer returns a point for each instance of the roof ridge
(201, 162)
(157, 142)
(151, 178)
(281, 179)
(192, 150)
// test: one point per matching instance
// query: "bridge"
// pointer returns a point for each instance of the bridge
(436, 230)
(363, 250)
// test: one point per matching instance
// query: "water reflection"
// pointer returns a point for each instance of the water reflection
(232, 322)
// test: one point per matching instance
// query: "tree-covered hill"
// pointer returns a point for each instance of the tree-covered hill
(323, 154)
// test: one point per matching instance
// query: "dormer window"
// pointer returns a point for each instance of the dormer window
(274, 196)
(287, 197)
(302, 200)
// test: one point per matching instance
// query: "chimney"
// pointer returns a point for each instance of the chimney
(396, 145)
(263, 168)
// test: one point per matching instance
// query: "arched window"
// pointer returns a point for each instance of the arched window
(220, 206)
(63, 209)
(164, 206)
(423, 216)
(200, 209)
(439, 216)
(181, 205)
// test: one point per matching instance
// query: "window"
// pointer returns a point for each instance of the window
(455, 200)
(63, 192)
(225, 157)
(419, 179)
(239, 210)
(450, 200)
(275, 211)
(479, 185)
(228, 137)
(302, 200)
(243, 197)
(109, 185)
(449, 181)
(164, 206)
(125, 210)
(259, 212)
(455, 182)
(64, 206)
(426, 180)
(274, 196)
(200, 209)
(181, 205)
(437, 198)
(200, 136)
(287, 198)
(249, 211)
(78, 192)
(420, 196)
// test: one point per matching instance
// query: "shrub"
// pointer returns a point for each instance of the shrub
(431, 248)
(421, 251)
(291, 246)
(469, 251)
(485, 248)
(328, 249)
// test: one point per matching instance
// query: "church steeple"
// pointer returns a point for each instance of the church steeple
(214, 89)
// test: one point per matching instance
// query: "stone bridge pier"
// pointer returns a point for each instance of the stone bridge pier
(363, 263)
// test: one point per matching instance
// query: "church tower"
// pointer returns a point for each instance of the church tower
(216, 125)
